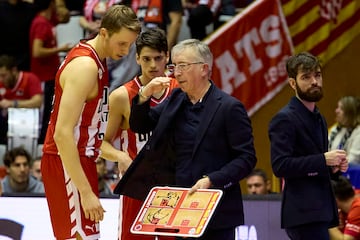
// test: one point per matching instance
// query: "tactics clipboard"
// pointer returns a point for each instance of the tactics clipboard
(170, 211)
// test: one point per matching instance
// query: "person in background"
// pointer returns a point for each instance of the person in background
(164, 14)
(44, 54)
(103, 186)
(152, 55)
(228, 9)
(201, 138)
(35, 168)
(345, 134)
(258, 183)
(300, 156)
(93, 11)
(200, 15)
(18, 89)
(18, 179)
(73, 139)
(15, 18)
(349, 211)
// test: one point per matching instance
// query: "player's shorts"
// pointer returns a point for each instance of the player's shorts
(129, 209)
(66, 213)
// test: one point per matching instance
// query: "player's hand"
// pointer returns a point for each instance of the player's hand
(124, 162)
(203, 183)
(92, 207)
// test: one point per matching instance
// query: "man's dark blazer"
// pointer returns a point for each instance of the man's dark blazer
(223, 150)
(297, 156)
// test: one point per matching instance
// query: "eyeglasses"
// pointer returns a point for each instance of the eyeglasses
(181, 66)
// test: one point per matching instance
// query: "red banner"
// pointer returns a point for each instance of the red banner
(250, 52)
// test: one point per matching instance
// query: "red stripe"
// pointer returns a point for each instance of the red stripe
(283, 2)
(301, 11)
(334, 34)
(302, 36)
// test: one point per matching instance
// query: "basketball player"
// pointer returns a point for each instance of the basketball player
(152, 55)
(72, 142)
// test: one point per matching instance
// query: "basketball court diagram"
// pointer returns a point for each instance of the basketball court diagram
(173, 212)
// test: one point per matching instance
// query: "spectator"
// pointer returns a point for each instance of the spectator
(15, 18)
(228, 9)
(104, 188)
(300, 156)
(200, 15)
(73, 139)
(19, 180)
(44, 54)
(201, 138)
(349, 211)
(35, 168)
(257, 182)
(152, 55)
(18, 89)
(94, 10)
(345, 134)
(167, 16)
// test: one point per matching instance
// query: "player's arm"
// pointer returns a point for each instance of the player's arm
(119, 111)
(79, 83)
(174, 28)
(34, 102)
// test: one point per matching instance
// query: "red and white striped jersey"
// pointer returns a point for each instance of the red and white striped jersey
(94, 112)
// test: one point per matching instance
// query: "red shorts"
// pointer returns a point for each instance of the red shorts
(66, 213)
(129, 209)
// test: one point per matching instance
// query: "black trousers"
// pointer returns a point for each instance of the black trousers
(318, 231)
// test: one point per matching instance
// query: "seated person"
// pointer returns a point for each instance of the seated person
(35, 168)
(18, 89)
(18, 179)
(345, 134)
(349, 211)
(257, 182)
(104, 188)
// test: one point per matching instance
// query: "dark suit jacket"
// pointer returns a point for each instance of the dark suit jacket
(297, 156)
(223, 150)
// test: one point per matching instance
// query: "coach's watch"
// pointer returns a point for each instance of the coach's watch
(141, 93)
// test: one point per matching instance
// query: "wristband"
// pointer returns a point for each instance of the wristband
(16, 104)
